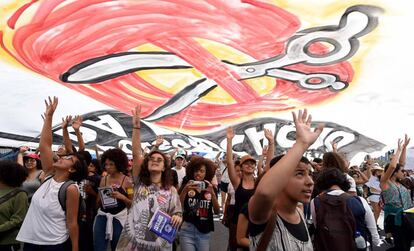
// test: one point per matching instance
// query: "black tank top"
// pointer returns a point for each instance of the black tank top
(121, 205)
(242, 196)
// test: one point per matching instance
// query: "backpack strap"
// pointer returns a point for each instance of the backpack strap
(267, 234)
(62, 193)
(10, 195)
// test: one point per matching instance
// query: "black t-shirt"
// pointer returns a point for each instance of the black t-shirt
(174, 178)
(91, 206)
(296, 230)
(198, 210)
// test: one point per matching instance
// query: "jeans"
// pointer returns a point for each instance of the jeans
(193, 240)
(99, 229)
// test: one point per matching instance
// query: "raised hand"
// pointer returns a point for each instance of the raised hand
(23, 149)
(334, 146)
(230, 133)
(136, 117)
(406, 141)
(264, 150)
(400, 146)
(159, 140)
(77, 122)
(269, 135)
(66, 121)
(50, 106)
(304, 134)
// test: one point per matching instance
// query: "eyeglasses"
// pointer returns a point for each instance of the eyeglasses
(67, 157)
(158, 160)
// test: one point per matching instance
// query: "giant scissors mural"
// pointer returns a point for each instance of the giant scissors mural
(194, 66)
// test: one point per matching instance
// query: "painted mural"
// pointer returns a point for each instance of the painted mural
(195, 67)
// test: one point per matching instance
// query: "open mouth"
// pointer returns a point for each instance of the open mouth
(307, 192)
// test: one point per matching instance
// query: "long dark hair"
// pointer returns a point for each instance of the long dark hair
(334, 160)
(145, 176)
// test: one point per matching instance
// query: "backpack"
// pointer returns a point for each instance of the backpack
(62, 199)
(335, 224)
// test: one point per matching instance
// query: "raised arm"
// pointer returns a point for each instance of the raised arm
(393, 164)
(368, 171)
(98, 156)
(45, 145)
(158, 142)
(234, 179)
(22, 150)
(136, 142)
(66, 139)
(403, 157)
(261, 160)
(334, 146)
(261, 203)
(76, 124)
(271, 149)
(362, 178)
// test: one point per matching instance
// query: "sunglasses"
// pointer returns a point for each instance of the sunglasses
(68, 157)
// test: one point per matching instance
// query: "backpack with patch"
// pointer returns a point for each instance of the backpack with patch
(62, 199)
(335, 223)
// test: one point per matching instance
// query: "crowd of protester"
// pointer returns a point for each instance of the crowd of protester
(67, 200)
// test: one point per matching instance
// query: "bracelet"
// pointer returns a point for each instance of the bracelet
(137, 127)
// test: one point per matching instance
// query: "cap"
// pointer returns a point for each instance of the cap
(246, 158)
(31, 156)
(179, 156)
(376, 166)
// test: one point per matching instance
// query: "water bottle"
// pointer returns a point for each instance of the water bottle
(360, 241)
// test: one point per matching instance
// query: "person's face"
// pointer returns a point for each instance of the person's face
(200, 174)
(91, 168)
(66, 162)
(400, 174)
(110, 167)
(30, 163)
(156, 163)
(300, 185)
(238, 170)
(248, 166)
(317, 166)
(179, 162)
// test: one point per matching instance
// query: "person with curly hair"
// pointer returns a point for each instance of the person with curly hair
(110, 219)
(47, 224)
(199, 202)
(13, 203)
(153, 190)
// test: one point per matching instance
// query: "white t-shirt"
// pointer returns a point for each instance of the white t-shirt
(45, 222)
(352, 183)
(180, 175)
(225, 174)
(374, 183)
